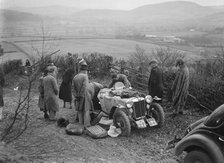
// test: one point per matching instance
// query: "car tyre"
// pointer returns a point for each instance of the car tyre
(157, 113)
(121, 120)
(197, 156)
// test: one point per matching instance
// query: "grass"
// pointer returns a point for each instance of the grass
(118, 48)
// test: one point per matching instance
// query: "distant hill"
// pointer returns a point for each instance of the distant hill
(163, 14)
(169, 14)
(15, 16)
(55, 10)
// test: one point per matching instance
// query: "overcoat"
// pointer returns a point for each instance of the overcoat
(79, 87)
(155, 83)
(180, 86)
(51, 92)
(65, 91)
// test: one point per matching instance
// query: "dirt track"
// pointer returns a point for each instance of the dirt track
(43, 141)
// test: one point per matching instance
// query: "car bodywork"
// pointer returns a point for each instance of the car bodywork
(206, 134)
(137, 108)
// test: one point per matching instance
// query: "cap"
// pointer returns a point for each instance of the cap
(82, 62)
(153, 61)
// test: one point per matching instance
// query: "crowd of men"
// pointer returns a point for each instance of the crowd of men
(78, 87)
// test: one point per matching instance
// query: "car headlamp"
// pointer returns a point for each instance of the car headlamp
(129, 104)
(148, 99)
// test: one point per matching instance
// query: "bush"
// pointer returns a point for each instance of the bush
(13, 66)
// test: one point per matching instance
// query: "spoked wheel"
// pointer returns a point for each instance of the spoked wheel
(197, 156)
(121, 121)
(157, 113)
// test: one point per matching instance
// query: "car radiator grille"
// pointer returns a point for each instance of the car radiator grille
(139, 109)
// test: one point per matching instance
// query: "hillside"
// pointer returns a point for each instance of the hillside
(168, 14)
(15, 16)
(54, 10)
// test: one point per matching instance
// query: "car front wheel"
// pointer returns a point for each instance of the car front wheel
(197, 156)
(121, 121)
(157, 113)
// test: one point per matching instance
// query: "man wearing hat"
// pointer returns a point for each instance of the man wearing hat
(51, 94)
(80, 83)
(116, 77)
(180, 87)
(52, 66)
(155, 83)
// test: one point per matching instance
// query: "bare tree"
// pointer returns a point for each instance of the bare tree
(166, 56)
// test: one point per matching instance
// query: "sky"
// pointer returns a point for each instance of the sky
(97, 4)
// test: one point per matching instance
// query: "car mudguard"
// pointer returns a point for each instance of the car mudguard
(203, 142)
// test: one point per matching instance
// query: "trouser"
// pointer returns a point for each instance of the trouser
(1, 110)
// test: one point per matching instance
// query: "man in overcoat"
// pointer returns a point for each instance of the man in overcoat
(155, 83)
(79, 86)
(180, 87)
(51, 94)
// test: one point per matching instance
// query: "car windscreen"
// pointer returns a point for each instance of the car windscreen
(216, 118)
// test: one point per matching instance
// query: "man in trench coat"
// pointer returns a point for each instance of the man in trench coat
(180, 87)
(51, 94)
(79, 86)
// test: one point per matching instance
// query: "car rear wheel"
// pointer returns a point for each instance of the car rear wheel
(157, 113)
(197, 156)
(121, 121)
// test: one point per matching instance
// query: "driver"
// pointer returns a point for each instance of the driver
(116, 77)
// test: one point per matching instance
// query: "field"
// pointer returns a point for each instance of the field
(118, 48)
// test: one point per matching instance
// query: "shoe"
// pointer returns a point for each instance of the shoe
(46, 116)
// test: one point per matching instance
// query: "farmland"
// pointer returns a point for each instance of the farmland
(118, 48)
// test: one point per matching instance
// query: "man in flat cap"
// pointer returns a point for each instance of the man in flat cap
(51, 91)
(116, 77)
(79, 86)
(155, 83)
(180, 87)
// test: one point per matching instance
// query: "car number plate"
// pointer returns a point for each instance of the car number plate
(152, 122)
(141, 123)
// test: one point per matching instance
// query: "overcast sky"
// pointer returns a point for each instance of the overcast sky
(97, 4)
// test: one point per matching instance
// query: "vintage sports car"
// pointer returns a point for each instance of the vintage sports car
(128, 108)
(204, 139)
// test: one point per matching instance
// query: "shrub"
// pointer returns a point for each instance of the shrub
(13, 66)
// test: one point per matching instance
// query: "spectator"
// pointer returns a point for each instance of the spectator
(80, 83)
(180, 87)
(119, 78)
(55, 69)
(65, 91)
(41, 102)
(50, 94)
(155, 83)
(93, 89)
(2, 83)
